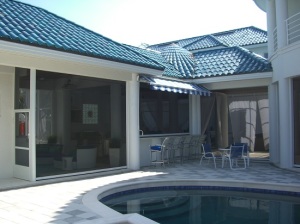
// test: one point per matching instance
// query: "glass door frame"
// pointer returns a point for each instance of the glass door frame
(23, 171)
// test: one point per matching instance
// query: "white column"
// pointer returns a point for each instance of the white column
(281, 16)
(32, 130)
(271, 23)
(285, 146)
(224, 119)
(273, 123)
(195, 114)
(132, 123)
(64, 119)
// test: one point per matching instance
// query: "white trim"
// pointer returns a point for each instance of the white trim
(255, 45)
(32, 126)
(285, 50)
(55, 55)
(291, 120)
(234, 78)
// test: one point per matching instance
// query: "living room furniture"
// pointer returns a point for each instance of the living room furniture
(86, 157)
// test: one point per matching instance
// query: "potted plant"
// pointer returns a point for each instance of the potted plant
(114, 152)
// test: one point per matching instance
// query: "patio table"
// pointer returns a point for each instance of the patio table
(224, 153)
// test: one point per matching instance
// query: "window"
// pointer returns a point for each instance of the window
(76, 119)
(163, 112)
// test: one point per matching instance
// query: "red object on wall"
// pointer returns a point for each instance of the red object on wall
(22, 128)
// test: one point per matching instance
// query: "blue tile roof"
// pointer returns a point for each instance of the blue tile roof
(218, 54)
(182, 64)
(205, 42)
(209, 63)
(237, 37)
(181, 43)
(26, 24)
(229, 61)
(181, 59)
(243, 37)
(169, 71)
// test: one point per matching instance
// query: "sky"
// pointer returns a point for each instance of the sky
(137, 22)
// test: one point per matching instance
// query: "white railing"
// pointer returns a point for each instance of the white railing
(293, 28)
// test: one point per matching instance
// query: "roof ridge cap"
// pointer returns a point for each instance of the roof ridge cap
(216, 49)
(202, 36)
(219, 41)
(132, 48)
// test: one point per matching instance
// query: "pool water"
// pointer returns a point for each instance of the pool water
(190, 206)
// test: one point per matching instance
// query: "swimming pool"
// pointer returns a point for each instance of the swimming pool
(267, 191)
(206, 204)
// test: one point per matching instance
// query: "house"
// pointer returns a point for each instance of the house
(68, 95)
(231, 65)
(284, 50)
(64, 92)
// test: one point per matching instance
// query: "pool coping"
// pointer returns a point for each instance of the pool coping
(91, 199)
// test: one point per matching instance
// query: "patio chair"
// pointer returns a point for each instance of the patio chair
(186, 146)
(159, 153)
(235, 154)
(177, 149)
(208, 153)
(195, 146)
(245, 151)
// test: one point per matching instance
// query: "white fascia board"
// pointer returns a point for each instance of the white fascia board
(59, 55)
(255, 45)
(229, 78)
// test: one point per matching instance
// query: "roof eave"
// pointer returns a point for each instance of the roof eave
(18, 48)
(159, 67)
(239, 77)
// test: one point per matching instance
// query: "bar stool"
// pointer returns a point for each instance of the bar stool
(159, 153)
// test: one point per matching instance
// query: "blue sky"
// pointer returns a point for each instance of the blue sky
(154, 21)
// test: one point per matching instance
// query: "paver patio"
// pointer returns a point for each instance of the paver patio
(60, 200)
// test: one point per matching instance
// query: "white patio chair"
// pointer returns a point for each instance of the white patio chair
(235, 154)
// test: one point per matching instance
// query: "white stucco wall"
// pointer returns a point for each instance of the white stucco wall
(293, 7)
(6, 122)
(145, 143)
(286, 62)
(286, 66)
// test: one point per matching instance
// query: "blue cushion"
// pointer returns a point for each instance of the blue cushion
(155, 147)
